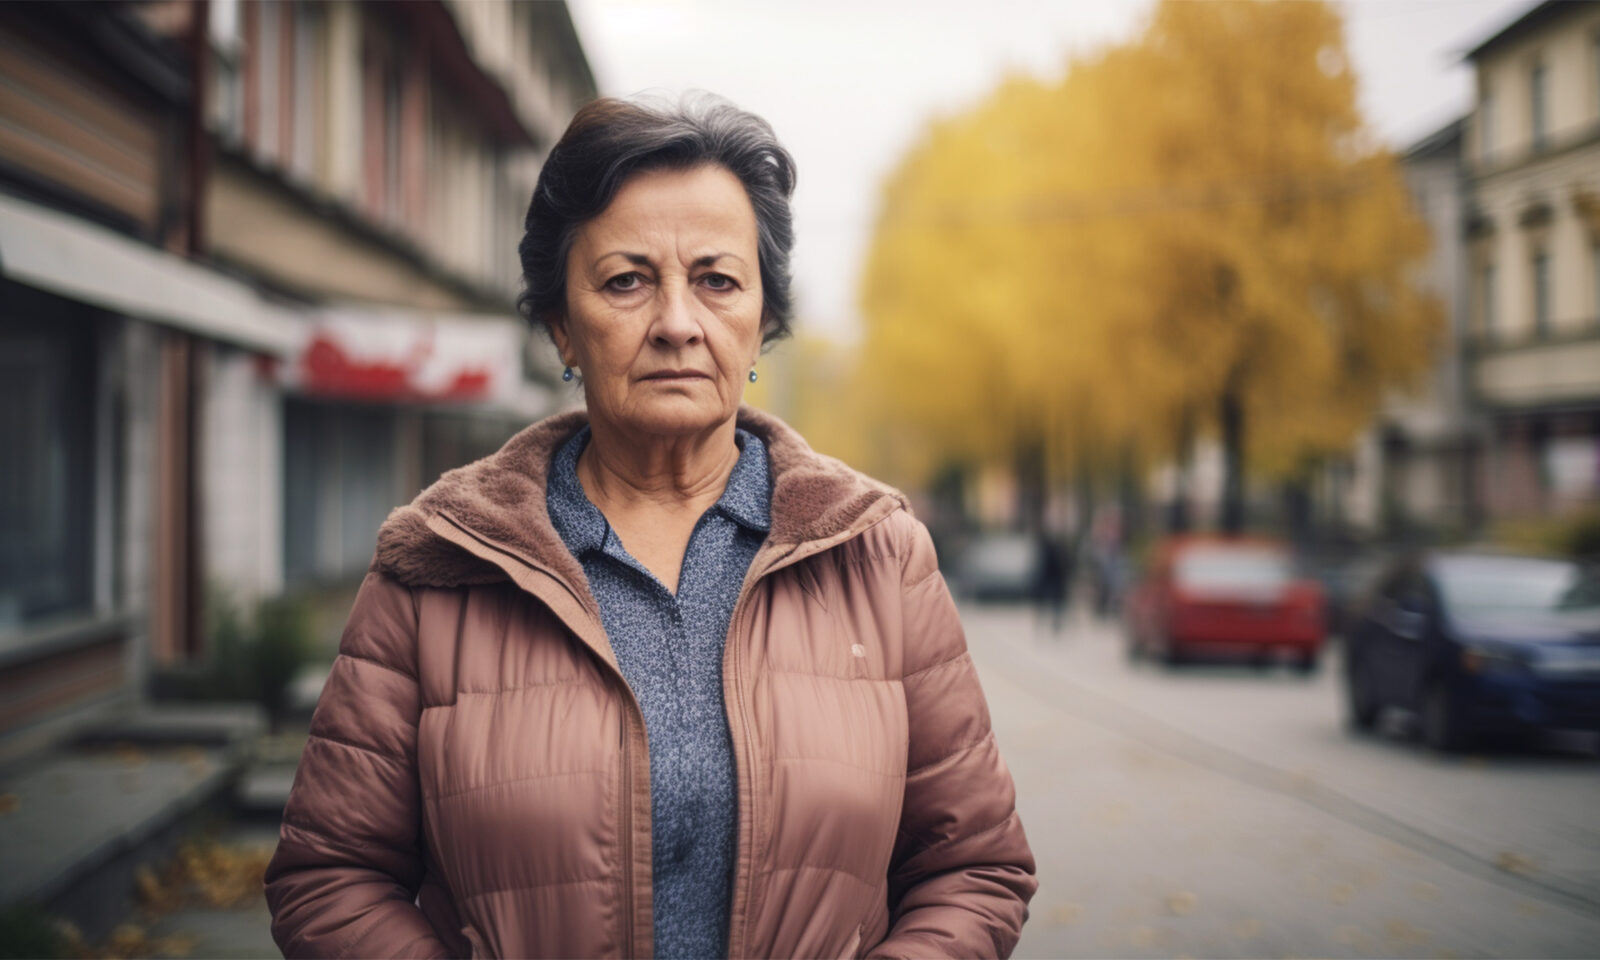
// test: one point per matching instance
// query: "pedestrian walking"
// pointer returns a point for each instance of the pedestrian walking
(1054, 578)
(655, 678)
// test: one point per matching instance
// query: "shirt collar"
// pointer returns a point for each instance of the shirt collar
(746, 500)
(581, 524)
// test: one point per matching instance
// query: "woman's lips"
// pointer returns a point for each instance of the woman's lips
(677, 375)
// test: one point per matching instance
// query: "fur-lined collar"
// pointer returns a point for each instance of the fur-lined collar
(501, 498)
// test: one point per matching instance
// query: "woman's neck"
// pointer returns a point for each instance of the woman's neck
(626, 472)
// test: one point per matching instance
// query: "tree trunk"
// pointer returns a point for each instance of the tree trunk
(1297, 512)
(1178, 520)
(1231, 420)
(1031, 484)
(1084, 501)
(1130, 489)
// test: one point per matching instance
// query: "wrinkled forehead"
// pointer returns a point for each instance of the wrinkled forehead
(678, 213)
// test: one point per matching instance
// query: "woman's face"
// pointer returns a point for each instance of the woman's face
(664, 302)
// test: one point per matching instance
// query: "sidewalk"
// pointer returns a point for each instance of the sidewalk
(147, 837)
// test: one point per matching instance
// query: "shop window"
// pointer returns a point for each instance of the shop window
(341, 480)
(47, 430)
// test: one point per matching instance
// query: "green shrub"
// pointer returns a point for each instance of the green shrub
(280, 647)
(26, 931)
(252, 656)
(1573, 535)
(1581, 538)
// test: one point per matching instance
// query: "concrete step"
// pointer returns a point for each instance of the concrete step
(76, 821)
(179, 723)
(263, 791)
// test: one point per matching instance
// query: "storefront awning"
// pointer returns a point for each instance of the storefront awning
(395, 355)
(73, 258)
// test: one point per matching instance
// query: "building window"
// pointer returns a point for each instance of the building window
(1594, 286)
(1594, 48)
(1537, 81)
(392, 142)
(267, 63)
(227, 92)
(47, 419)
(1486, 294)
(302, 140)
(1541, 293)
(1485, 126)
(341, 477)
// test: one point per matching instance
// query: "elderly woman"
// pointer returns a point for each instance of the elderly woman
(655, 678)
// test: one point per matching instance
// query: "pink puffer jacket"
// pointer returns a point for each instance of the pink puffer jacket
(477, 780)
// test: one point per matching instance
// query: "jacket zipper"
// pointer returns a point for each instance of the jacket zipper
(631, 708)
(744, 843)
(626, 798)
(744, 850)
(744, 767)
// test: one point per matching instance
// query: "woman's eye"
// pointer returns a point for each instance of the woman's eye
(718, 281)
(623, 282)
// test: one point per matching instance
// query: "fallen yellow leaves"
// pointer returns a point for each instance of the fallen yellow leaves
(215, 874)
(1066, 914)
(202, 873)
(128, 940)
(129, 755)
(1182, 903)
(1113, 815)
(1350, 935)
(1401, 932)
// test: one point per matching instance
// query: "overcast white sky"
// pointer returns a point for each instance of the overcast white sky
(849, 85)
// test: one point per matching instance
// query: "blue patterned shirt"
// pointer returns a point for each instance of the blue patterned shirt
(670, 651)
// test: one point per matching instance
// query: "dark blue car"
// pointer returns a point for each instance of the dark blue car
(1478, 643)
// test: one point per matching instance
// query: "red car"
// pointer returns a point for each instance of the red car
(1233, 598)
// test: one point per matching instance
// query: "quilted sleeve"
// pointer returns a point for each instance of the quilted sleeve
(345, 875)
(961, 874)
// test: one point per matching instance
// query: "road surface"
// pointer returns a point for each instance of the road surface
(1227, 812)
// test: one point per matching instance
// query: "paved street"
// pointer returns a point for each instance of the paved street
(1219, 811)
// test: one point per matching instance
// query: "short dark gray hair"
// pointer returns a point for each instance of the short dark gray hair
(611, 140)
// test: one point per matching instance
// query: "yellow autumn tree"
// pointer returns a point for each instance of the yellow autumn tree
(1192, 232)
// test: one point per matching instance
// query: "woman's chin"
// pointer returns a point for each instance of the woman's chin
(676, 416)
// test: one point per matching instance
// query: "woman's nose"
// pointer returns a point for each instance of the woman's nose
(676, 324)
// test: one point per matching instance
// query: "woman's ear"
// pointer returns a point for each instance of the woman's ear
(557, 325)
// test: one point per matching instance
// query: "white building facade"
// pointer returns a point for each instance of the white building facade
(1533, 259)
